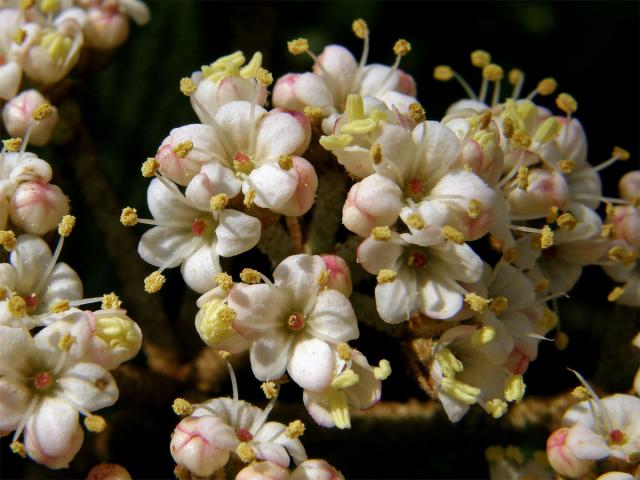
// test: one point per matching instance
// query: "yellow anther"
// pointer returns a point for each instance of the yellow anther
(27, 4)
(339, 408)
(245, 452)
(622, 255)
(549, 130)
(562, 341)
(484, 120)
(453, 234)
(496, 407)
(218, 202)
(515, 454)
(41, 112)
(483, 336)
(323, 278)
(333, 142)
(65, 227)
(509, 127)
(313, 113)
(360, 28)
(183, 148)
(346, 379)
(417, 113)
(383, 370)
(494, 454)
(17, 306)
(95, 423)
(609, 210)
(251, 69)
(566, 103)
(224, 354)
(547, 86)
(59, 306)
(521, 139)
(49, 6)
(415, 221)
(386, 276)
(541, 285)
(224, 281)
(474, 208)
(295, 429)
(269, 389)
(607, 230)
(580, 393)
(620, 153)
(515, 76)
(462, 392)
(344, 351)
(376, 154)
(480, 58)
(499, 305)
(20, 36)
(566, 221)
(566, 166)
(514, 388)
(493, 72)
(182, 407)
(118, 332)
(18, 448)
(187, 87)
(154, 282)
(7, 239)
(448, 363)
(149, 167)
(264, 76)
(285, 162)
(546, 237)
(477, 303)
(443, 73)
(401, 47)
(249, 275)
(615, 294)
(510, 255)
(552, 216)
(12, 144)
(129, 216)
(358, 127)
(550, 319)
(66, 342)
(249, 197)
(522, 178)
(381, 233)
(298, 46)
(110, 301)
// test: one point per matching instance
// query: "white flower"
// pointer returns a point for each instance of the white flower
(188, 233)
(293, 323)
(44, 383)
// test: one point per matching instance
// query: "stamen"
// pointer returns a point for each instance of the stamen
(149, 167)
(496, 407)
(383, 370)
(249, 275)
(444, 73)
(617, 154)
(514, 389)
(516, 78)
(154, 282)
(7, 240)
(386, 276)
(295, 429)
(269, 389)
(95, 423)
(187, 87)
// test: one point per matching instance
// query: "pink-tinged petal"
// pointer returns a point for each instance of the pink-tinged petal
(623, 412)
(356, 160)
(546, 189)
(311, 364)
(201, 267)
(271, 452)
(16, 350)
(311, 89)
(53, 435)
(316, 470)
(299, 274)
(284, 95)
(585, 444)
(396, 301)
(279, 133)
(269, 355)
(562, 459)
(237, 232)
(15, 397)
(304, 196)
(159, 245)
(17, 114)
(165, 204)
(318, 407)
(202, 444)
(212, 180)
(273, 186)
(89, 386)
(339, 274)
(332, 317)
(26, 167)
(439, 297)
(263, 471)
(258, 309)
(234, 119)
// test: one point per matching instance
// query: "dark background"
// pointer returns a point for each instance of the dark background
(130, 104)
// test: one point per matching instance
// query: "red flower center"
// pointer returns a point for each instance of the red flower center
(296, 321)
(198, 227)
(42, 380)
(244, 435)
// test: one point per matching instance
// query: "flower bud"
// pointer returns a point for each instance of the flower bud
(17, 115)
(316, 470)
(339, 63)
(303, 121)
(10, 76)
(545, 190)
(305, 193)
(339, 274)
(562, 459)
(37, 207)
(375, 201)
(263, 471)
(629, 186)
(210, 95)
(284, 95)
(116, 338)
(202, 444)
(106, 28)
(108, 471)
(626, 221)
(24, 167)
(406, 84)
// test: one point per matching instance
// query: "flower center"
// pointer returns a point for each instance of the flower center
(296, 321)
(242, 162)
(415, 189)
(617, 437)
(244, 435)
(417, 260)
(42, 380)
(31, 301)
(198, 227)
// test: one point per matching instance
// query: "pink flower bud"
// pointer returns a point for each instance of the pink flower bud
(339, 274)
(303, 121)
(562, 459)
(263, 471)
(202, 444)
(284, 95)
(37, 207)
(316, 470)
(16, 116)
(406, 84)
(629, 185)
(108, 471)
(517, 362)
(545, 190)
(106, 28)
(305, 193)
(626, 220)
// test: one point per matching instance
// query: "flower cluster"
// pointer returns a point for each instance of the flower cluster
(43, 41)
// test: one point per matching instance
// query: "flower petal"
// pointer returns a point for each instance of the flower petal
(16, 397)
(63, 284)
(166, 202)
(212, 180)
(332, 317)
(299, 274)
(438, 296)
(279, 133)
(159, 245)
(273, 186)
(30, 258)
(396, 301)
(89, 386)
(269, 355)
(237, 232)
(201, 267)
(235, 120)
(311, 364)
(375, 255)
